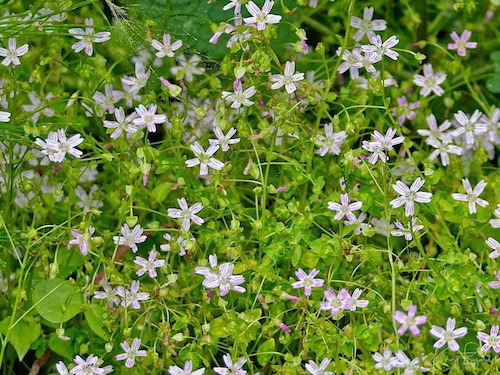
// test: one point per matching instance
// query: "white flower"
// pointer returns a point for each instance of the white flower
(221, 278)
(224, 140)
(38, 106)
(87, 37)
(236, 4)
(132, 297)
(288, 79)
(495, 246)
(315, 369)
(140, 80)
(148, 117)
(231, 368)
(495, 223)
(4, 116)
(385, 361)
(88, 366)
(469, 126)
(86, 202)
(188, 370)
(472, 196)
(443, 148)
(204, 158)
(382, 49)
(149, 265)
(122, 124)
(239, 97)
(434, 131)
(330, 142)
(344, 208)
(366, 25)
(187, 68)
(130, 238)
(56, 146)
(407, 232)
(261, 17)
(131, 352)
(187, 214)
(108, 99)
(409, 195)
(448, 335)
(11, 55)
(429, 81)
(410, 366)
(167, 48)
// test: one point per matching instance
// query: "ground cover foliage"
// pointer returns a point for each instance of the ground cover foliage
(239, 187)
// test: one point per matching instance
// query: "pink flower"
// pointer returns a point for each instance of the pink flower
(429, 81)
(130, 238)
(472, 196)
(12, 54)
(461, 42)
(409, 195)
(448, 335)
(491, 341)
(367, 25)
(131, 352)
(261, 17)
(307, 281)
(409, 321)
(335, 303)
(150, 265)
(344, 208)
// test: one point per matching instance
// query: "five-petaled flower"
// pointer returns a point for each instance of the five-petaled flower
(231, 368)
(344, 208)
(409, 195)
(11, 55)
(204, 158)
(448, 335)
(188, 370)
(315, 369)
(166, 48)
(472, 195)
(131, 352)
(490, 341)
(461, 42)
(130, 238)
(87, 37)
(149, 265)
(148, 117)
(307, 281)
(261, 17)
(186, 213)
(409, 321)
(429, 81)
(288, 79)
(367, 25)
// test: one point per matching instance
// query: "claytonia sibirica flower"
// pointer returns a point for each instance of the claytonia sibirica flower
(335, 303)
(307, 281)
(188, 370)
(470, 127)
(405, 110)
(434, 131)
(351, 61)
(407, 232)
(122, 124)
(82, 240)
(239, 97)
(359, 222)
(148, 117)
(108, 99)
(221, 277)
(490, 341)
(140, 80)
(224, 140)
(109, 294)
(11, 55)
(56, 146)
(409, 195)
(288, 79)
(131, 352)
(443, 148)
(381, 49)
(385, 361)
(187, 68)
(88, 366)
(429, 81)
(87, 37)
(150, 265)
(495, 284)
(472, 196)
(344, 208)
(130, 238)
(61, 368)
(320, 369)
(410, 366)
(261, 17)
(352, 302)
(86, 202)
(461, 42)
(330, 142)
(204, 158)
(366, 25)
(231, 368)
(166, 48)
(132, 297)
(409, 321)
(4, 116)
(187, 214)
(448, 335)
(495, 246)
(39, 106)
(387, 141)
(493, 125)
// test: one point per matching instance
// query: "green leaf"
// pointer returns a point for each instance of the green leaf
(57, 300)
(493, 83)
(297, 252)
(94, 318)
(264, 351)
(61, 347)
(161, 191)
(22, 335)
